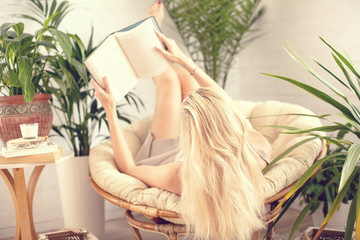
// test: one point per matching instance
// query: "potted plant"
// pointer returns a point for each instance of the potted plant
(23, 77)
(325, 184)
(214, 32)
(349, 115)
(79, 115)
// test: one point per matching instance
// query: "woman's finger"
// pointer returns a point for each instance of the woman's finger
(163, 38)
(162, 51)
(95, 85)
(166, 54)
(159, 34)
(106, 84)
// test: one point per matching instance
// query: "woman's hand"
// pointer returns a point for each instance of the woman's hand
(105, 96)
(173, 53)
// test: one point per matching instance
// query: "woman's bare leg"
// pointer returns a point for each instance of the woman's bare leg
(188, 82)
(171, 87)
(166, 120)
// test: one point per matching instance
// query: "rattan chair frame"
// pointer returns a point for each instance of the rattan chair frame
(171, 230)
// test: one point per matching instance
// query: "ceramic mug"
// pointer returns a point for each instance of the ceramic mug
(29, 130)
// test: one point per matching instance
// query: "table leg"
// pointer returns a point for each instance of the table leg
(23, 199)
(23, 204)
(30, 193)
(9, 181)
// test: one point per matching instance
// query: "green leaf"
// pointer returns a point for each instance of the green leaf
(332, 74)
(47, 21)
(90, 44)
(306, 209)
(47, 44)
(30, 18)
(80, 68)
(336, 204)
(57, 130)
(284, 209)
(287, 151)
(301, 217)
(25, 79)
(19, 29)
(64, 41)
(351, 160)
(52, 8)
(40, 34)
(351, 219)
(347, 76)
(12, 56)
(80, 48)
(320, 129)
(5, 28)
(312, 72)
(310, 172)
(357, 214)
(317, 93)
(353, 123)
(93, 107)
(343, 59)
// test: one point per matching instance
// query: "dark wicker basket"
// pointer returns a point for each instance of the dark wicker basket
(328, 234)
(68, 234)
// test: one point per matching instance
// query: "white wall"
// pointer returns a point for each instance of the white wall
(297, 22)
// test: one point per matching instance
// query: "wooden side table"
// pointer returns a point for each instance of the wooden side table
(21, 194)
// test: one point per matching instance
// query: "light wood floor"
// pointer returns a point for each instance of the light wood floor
(118, 229)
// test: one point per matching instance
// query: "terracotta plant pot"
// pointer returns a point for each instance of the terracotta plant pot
(13, 112)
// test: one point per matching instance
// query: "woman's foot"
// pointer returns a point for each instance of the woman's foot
(157, 10)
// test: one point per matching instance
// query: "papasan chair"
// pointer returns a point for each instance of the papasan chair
(162, 207)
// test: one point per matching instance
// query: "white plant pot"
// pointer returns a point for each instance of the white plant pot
(338, 221)
(82, 206)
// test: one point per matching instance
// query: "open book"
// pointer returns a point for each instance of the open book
(127, 55)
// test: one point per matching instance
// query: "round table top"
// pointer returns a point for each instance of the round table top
(35, 164)
(20, 165)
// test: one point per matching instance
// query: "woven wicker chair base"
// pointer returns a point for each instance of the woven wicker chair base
(173, 231)
(170, 230)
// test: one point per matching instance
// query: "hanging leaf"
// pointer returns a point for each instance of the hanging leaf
(19, 29)
(351, 161)
(336, 204)
(317, 93)
(25, 79)
(64, 41)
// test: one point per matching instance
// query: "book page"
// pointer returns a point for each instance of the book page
(109, 60)
(139, 45)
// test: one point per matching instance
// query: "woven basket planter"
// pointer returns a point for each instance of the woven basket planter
(310, 233)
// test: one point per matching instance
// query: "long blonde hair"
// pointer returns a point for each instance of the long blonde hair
(222, 183)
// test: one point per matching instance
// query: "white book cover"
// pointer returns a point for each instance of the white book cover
(126, 55)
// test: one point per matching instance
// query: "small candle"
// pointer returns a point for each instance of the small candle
(29, 130)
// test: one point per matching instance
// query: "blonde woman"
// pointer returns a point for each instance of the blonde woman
(199, 146)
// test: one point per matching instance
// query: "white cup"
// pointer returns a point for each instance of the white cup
(29, 130)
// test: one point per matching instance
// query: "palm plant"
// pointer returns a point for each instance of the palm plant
(73, 100)
(214, 31)
(44, 11)
(350, 151)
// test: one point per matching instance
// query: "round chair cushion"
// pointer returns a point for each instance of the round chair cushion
(261, 114)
